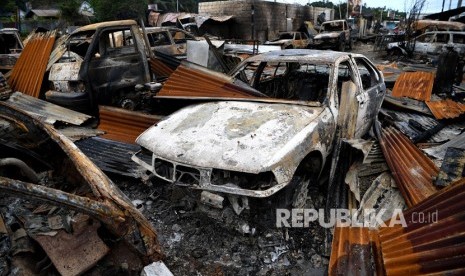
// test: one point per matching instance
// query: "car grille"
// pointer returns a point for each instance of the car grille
(176, 173)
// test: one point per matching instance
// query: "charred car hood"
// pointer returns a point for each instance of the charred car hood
(327, 35)
(278, 42)
(238, 136)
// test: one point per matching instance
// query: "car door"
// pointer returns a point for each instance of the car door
(373, 89)
(114, 64)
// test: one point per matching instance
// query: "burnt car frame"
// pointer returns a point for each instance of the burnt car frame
(256, 147)
(10, 48)
(335, 34)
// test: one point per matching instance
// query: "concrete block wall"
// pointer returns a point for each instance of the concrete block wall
(269, 17)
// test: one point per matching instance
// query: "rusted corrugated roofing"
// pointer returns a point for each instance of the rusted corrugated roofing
(415, 85)
(412, 170)
(354, 250)
(123, 125)
(29, 70)
(436, 246)
(446, 109)
(45, 111)
(159, 68)
(193, 81)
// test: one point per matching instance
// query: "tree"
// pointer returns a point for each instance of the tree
(106, 10)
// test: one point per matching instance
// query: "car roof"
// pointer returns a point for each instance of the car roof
(93, 27)
(320, 56)
(445, 32)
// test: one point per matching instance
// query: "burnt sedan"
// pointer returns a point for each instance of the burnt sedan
(234, 150)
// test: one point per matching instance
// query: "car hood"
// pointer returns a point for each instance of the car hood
(327, 35)
(278, 42)
(232, 135)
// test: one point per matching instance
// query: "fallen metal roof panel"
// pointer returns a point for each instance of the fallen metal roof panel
(436, 246)
(412, 170)
(413, 125)
(354, 250)
(111, 156)
(159, 68)
(415, 85)
(45, 111)
(446, 109)
(123, 125)
(440, 151)
(29, 70)
(193, 81)
(452, 169)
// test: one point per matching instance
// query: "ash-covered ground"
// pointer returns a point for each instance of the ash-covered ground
(196, 244)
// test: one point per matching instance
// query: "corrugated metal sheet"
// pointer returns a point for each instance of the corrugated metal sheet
(29, 70)
(440, 151)
(434, 247)
(111, 156)
(45, 111)
(415, 85)
(194, 81)
(354, 251)
(159, 68)
(446, 109)
(123, 125)
(412, 170)
(453, 167)
(413, 125)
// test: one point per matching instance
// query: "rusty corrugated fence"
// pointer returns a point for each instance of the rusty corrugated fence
(446, 109)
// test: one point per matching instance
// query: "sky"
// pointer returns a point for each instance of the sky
(431, 6)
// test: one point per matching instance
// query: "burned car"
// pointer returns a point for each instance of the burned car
(10, 48)
(335, 34)
(169, 40)
(429, 44)
(257, 147)
(291, 40)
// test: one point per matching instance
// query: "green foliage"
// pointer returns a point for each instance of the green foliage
(106, 10)
(69, 10)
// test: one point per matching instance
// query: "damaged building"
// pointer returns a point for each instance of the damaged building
(262, 20)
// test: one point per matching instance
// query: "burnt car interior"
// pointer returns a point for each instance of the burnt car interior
(288, 80)
(9, 44)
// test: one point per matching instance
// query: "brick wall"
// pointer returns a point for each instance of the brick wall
(269, 17)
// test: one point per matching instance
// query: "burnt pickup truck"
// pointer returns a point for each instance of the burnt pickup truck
(278, 144)
(10, 48)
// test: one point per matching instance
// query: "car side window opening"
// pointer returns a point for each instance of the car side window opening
(293, 80)
(158, 39)
(344, 74)
(458, 38)
(115, 43)
(442, 38)
(367, 74)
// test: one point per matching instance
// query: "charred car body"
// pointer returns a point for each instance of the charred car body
(255, 147)
(335, 34)
(100, 64)
(291, 40)
(10, 48)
